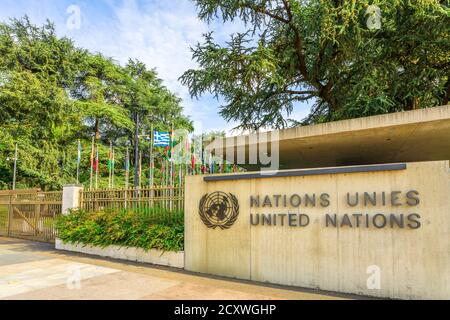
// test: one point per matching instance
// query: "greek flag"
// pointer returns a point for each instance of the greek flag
(161, 139)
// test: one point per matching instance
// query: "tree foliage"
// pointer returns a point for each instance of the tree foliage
(53, 93)
(326, 51)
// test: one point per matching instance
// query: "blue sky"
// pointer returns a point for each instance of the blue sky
(159, 33)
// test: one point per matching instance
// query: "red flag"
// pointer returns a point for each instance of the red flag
(91, 162)
(193, 160)
(96, 161)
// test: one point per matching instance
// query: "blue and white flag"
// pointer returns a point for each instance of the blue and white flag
(161, 139)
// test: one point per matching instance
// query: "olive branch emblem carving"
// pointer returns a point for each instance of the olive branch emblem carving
(219, 210)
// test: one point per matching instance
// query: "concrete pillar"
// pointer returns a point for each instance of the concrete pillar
(71, 197)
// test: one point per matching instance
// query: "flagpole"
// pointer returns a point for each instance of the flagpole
(78, 161)
(193, 156)
(140, 179)
(188, 152)
(15, 168)
(127, 169)
(136, 155)
(113, 164)
(203, 156)
(162, 172)
(171, 156)
(165, 182)
(152, 169)
(92, 164)
(96, 168)
(180, 166)
(109, 165)
(209, 162)
(127, 173)
(150, 176)
(140, 169)
(171, 166)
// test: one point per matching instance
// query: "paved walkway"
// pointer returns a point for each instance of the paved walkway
(30, 270)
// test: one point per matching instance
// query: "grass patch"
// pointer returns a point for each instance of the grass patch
(122, 228)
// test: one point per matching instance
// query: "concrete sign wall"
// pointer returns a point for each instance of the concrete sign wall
(383, 233)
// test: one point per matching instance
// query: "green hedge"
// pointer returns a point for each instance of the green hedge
(122, 228)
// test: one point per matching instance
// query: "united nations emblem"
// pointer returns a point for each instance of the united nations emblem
(219, 210)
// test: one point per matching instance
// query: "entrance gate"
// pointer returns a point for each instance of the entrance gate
(29, 214)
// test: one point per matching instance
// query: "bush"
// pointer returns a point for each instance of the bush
(122, 228)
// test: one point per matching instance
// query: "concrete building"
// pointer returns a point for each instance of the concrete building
(359, 206)
(419, 135)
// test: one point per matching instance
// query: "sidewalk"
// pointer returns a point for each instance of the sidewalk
(30, 270)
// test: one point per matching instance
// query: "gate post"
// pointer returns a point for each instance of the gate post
(71, 197)
(10, 215)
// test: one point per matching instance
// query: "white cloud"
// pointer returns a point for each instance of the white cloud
(159, 33)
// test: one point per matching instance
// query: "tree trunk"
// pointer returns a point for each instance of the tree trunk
(97, 129)
(415, 103)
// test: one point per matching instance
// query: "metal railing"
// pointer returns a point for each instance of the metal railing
(163, 204)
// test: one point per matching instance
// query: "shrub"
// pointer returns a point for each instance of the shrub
(122, 228)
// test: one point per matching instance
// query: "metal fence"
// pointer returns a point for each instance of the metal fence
(29, 214)
(163, 204)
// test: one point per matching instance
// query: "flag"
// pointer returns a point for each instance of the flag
(110, 158)
(91, 163)
(161, 139)
(96, 160)
(113, 161)
(79, 153)
(193, 159)
(172, 142)
(109, 165)
(96, 168)
(78, 161)
(203, 159)
(188, 151)
(152, 166)
(166, 152)
(170, 149)
(127, 172)
(127, 162)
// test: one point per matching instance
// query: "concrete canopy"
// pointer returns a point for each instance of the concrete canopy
(412, 136)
